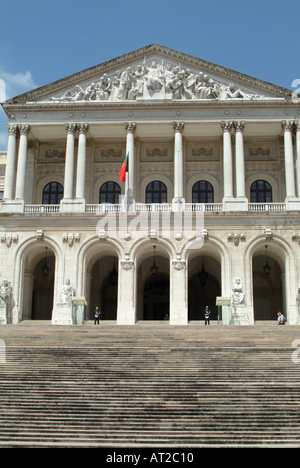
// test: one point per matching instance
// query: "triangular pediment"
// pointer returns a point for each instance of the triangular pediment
(154, 74)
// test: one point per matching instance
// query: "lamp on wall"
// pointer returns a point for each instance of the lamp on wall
(203, 275)
(45, 268)
(113, 275)
(267, 267)
(154, 268)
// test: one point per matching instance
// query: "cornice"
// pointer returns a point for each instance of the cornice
(101, 105)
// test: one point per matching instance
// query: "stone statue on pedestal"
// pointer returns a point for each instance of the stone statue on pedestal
(5, 292)
(237, 296)
(67, 293)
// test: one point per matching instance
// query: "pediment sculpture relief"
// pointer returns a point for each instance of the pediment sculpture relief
(157, 81)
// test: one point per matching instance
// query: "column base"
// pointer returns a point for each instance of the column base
(178, 316)
(126, 316)
(13, 206)
(178, 204)
(292, 204)
(68, 205)
(235, 204)
(128, 205)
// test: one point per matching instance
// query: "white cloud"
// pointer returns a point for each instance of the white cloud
(12, 84)
(17, 83)
(3, 141)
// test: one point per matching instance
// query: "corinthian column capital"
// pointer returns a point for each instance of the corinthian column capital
(12, 129)
(239, 126)
(178, 127)
(130, 127)
(226, 126)
(71, 128)
(24, 129)
(83, 128)
(287, 125)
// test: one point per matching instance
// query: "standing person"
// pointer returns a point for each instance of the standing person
(97, 314)
(206, 315)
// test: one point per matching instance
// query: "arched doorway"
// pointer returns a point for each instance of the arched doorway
(156, 299)
(38, 286)
(153, 283)
(204, 285)
(104, 287)
(268, 285)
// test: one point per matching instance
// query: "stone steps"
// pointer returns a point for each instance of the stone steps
(148, 386)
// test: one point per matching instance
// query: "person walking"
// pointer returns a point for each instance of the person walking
(97, 314)
(207, 315)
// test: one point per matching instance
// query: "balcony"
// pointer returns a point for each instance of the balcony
(208, 208)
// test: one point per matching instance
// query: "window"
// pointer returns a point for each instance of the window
(261, 192)
(156, 192)
(53, 193)
(203, 192)
(110, 193)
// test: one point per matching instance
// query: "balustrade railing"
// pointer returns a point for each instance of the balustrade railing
(42, 209)
(157, 207)
(263, 207)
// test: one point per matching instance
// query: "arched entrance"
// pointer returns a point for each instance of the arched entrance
(153, 283)
(104, 287)
(268, 285)
(38, 286)
(204, 285)
(156, 298)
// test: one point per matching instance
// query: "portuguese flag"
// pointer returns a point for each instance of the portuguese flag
(124, 169)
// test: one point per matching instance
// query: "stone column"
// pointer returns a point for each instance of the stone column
(22, 159)
(292, 202)
(69, 162)
(11, 160)
(126, 314)
(178, 200)
(81, 162)
(178, 293)
(239, 159)
(298, 157)
(241, 201)
(289, 159)
(227, 160)
(130, 128)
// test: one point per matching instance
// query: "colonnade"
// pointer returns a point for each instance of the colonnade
(234, 198)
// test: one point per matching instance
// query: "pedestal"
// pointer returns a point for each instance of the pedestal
(292, 204)
(72, 206)
(78, 310)
(178, 204)
(62, 314)
(235, 204)
(239, 315)
(13, 206)
(4, 311)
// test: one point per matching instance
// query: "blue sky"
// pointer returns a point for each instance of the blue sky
(45, 40)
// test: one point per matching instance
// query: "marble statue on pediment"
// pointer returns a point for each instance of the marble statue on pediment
(154, 77)
(156, 81)
(103, 88)
(125, 84)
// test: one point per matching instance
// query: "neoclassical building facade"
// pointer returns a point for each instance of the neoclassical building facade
(209, 209)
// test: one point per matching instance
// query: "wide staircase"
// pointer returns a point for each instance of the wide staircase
(150, 385)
